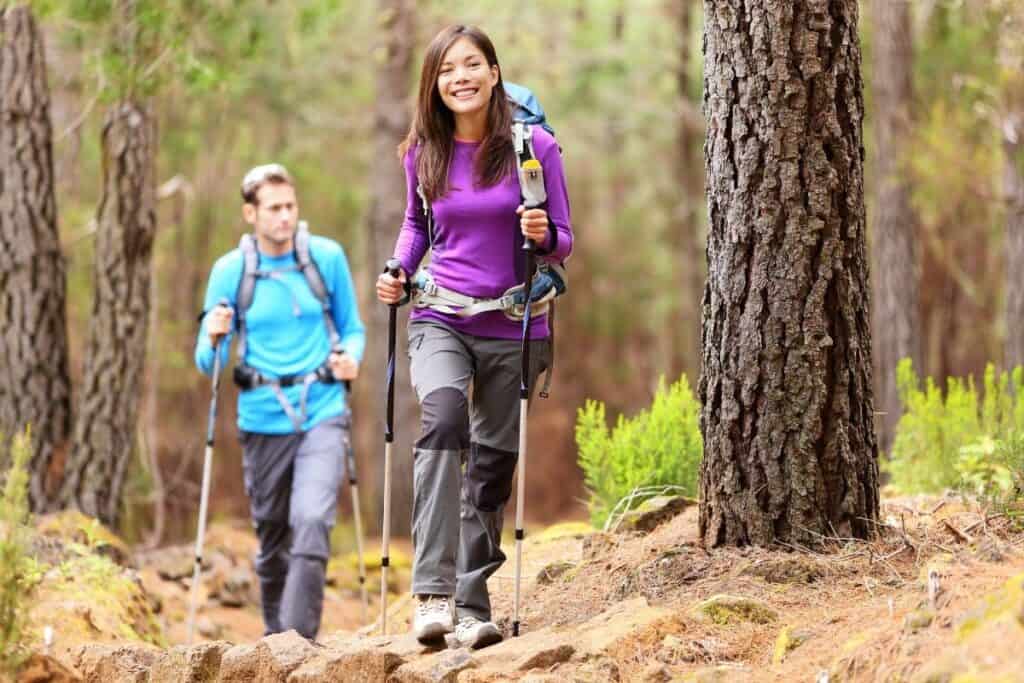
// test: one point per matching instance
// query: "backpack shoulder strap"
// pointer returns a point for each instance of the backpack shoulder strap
(315, 280)
(246, 287)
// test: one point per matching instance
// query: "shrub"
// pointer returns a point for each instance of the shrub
(954, 440)
(14, 560)
(658, 447)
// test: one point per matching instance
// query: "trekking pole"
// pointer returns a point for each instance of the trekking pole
(350, 462)
(204, 495)
(532, 183)
(393, 268)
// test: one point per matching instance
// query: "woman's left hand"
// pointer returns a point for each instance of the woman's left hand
(534, 224)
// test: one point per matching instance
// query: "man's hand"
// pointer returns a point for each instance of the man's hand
(343, 366)
(218, 323)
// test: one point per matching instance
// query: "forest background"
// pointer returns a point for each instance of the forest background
(325, 87)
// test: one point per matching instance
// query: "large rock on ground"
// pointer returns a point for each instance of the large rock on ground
(653, 512)
(270, 660)
(42, 668)
(360, 660)
(190, 664)
(115, 663)
(443, 667)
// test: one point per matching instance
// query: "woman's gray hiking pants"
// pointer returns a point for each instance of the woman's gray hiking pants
(292, 481)
(468, 389)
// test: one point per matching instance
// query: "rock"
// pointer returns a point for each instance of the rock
(42, 668)
(208, 628)
(719, 674)
(73, 526)
(115, 663)
(443, 667)
(175, 565)
(653, 512)
(270, 660)
(190, 664)
(553, 571)
(788, 641)
(656, 672)
(236, 588)
(731, 609)
(918, 620)
(786, 570)
(534, 649)
(359, 660)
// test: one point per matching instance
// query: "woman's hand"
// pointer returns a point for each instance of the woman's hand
(534, 224)
(390, 290)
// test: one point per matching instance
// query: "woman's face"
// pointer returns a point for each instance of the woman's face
(466, 80)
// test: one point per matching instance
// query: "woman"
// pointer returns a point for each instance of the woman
(459, 153)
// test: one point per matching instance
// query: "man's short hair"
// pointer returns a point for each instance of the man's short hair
(259, 176)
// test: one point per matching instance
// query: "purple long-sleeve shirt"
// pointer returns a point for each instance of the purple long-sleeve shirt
(477, 235)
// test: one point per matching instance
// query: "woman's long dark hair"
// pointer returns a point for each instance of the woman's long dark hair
(433, 127)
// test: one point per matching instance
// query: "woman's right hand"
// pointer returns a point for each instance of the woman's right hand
(391, 290)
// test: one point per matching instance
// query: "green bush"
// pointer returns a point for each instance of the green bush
(953, 440)
(14, 559)
(658, 447)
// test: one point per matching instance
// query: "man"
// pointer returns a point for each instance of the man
(294, 344)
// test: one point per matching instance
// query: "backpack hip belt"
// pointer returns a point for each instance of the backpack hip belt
(549, 282)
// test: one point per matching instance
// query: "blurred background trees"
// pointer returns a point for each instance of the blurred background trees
(324, 86)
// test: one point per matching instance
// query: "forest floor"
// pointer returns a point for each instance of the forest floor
(938, 595)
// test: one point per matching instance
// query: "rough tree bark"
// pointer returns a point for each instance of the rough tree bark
(392, 120)
(35, 388)
(111, 389)
(897, 328)
(789, 447)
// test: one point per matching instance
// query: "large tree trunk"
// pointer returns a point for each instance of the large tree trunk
(392, 120)
(896, 329)
(111, 389)
(789, 447)
(34, 385)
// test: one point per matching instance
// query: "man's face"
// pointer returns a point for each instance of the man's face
(275, 215)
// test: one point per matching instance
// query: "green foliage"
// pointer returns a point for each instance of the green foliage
(17, 573)
(659, 446)
(959, 439)
(993, 471)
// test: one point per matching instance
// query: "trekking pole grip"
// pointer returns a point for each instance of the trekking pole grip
(393, 267)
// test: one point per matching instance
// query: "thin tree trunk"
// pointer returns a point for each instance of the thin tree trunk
(789, 447)
(687, 235)
(111, 390)
(897, 329)
(1013, 184)
(35, 388)
(392, 120)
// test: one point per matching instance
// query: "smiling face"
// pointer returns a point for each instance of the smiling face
(466, 80)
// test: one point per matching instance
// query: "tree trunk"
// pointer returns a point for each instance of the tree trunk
(897, 328)
(111, 389)
(392, 120)
(687, 235)
(1013, 183)
(789, 447)
(35, 388)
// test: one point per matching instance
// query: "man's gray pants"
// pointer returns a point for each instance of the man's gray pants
(457, 547)
(292, 481)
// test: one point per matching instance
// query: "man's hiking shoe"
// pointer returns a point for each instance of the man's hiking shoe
(433, 618)
(473, 633)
